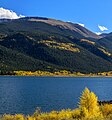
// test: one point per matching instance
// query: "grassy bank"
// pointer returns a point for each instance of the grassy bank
(89, 109)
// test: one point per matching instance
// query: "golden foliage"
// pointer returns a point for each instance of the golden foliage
(13, 117)
(105, 52)
(46, 73)
(88, 41)
(62, 46)
(106, 109)
(89, 104)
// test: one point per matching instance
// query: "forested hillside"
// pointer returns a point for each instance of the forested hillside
(35, 43)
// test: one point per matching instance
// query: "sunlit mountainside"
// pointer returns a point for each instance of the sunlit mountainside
(36, 43)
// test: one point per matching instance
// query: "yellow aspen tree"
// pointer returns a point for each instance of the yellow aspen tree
(89, 104)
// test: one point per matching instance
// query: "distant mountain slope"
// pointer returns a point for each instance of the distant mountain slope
(103, 35)
(45, 25)
(106, 42)
(66, 25)
(35, 43)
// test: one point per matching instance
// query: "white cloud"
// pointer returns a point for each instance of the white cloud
(98, 33)
(8, 14)
(102, 28)
(81, 24)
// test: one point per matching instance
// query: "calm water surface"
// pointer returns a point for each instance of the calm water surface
(24, 94)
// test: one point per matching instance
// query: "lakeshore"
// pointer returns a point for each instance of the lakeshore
(88, 109)
(61, 73)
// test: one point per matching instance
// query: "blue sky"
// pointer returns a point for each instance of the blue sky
(91, 13)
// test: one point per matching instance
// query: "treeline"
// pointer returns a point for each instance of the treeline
(88, 109)
(48, 73)
(4, 72)
(53, 73)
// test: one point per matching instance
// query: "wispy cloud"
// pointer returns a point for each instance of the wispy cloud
(98, 33)
(8, 14)
(102, 28)
(81, 24)
(69, 21)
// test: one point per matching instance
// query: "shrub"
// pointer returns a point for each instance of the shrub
(106, 110)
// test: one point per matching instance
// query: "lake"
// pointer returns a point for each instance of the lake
(25, 94)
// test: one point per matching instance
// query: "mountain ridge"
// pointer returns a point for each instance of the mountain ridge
(44, 42)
